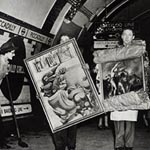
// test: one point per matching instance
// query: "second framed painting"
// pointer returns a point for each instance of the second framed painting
(64, 85)
(120, 81)
(122, 77)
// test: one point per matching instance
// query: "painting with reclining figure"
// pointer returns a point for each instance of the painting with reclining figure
(64, 85)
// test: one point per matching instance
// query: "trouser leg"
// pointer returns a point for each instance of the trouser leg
(129, 133)
(119, 133)
(100, 122)
(71, 137)
(60, 140)
(2, 135)
(106, 120)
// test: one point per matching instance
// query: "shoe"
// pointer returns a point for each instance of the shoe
(119, 148)
(128, 148)
(100, 127)
(4, 145)
(106, 127)
(71, 148)
(148, 129)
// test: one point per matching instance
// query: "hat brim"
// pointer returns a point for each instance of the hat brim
(7, 47)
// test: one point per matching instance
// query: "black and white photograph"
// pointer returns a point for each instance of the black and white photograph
(65, 89)
(74, 74)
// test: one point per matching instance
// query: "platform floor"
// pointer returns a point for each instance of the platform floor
(38, 136)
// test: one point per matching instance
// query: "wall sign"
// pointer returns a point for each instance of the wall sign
(25, 32)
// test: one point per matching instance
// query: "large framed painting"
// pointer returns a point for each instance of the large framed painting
(121, 77)
(64, 85)
(122, 84)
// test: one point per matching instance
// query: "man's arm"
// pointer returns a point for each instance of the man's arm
(102, 56)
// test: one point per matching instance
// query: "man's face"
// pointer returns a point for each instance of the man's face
(10, 55)
(63, 39)
(127, 36)
(124, 79)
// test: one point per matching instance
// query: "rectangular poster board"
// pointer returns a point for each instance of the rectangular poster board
(122, 77)
(64, 85)
(123, 84)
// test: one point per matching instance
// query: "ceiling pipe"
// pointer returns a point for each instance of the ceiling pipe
(105, 16)
(98, 12)
(109, 12)
(141, 14)
(116, 8)
(106, 6)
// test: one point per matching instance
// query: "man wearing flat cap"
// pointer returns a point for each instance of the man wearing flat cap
(7, 52)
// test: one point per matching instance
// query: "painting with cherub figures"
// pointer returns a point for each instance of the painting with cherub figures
(64, 85)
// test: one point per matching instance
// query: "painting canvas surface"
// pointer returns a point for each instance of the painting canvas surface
(122, 77)
(122, 85)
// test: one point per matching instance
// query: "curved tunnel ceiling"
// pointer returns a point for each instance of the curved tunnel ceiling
(48, 15)
(43, 14)
(83, 22)
(137, 11)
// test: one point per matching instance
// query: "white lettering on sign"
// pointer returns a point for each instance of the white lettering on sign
(19, 109)
(9, 26)
(25, 32)
(16, 69)
(36, 36)
(105, 44)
